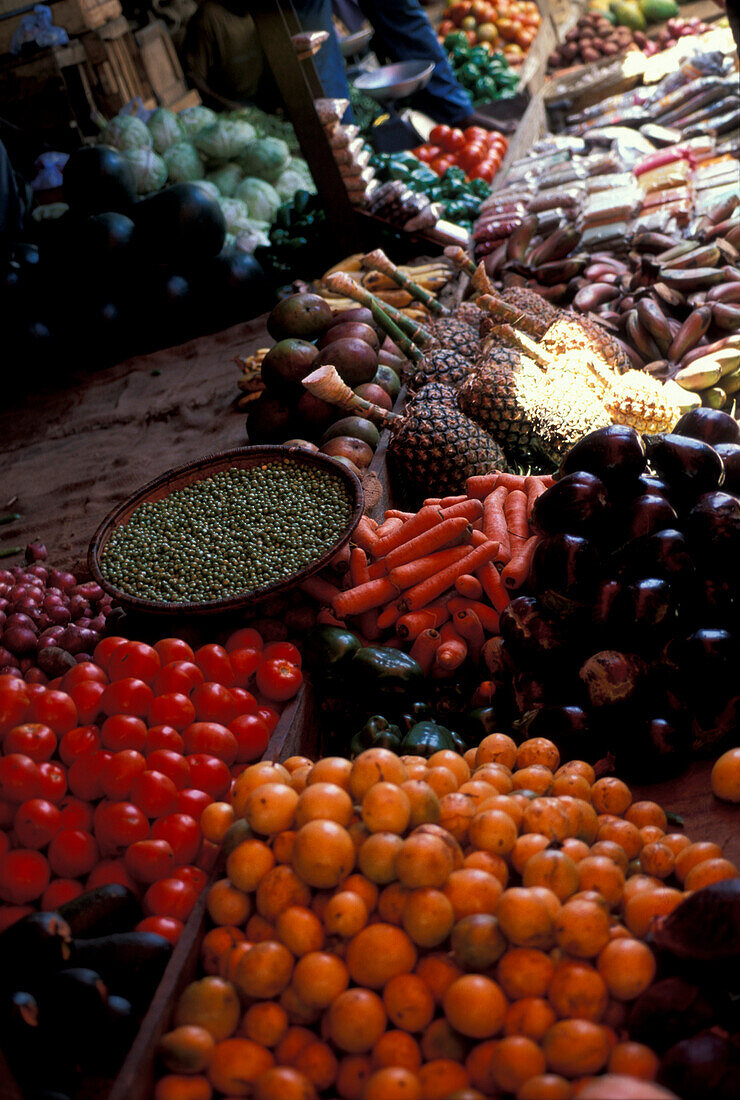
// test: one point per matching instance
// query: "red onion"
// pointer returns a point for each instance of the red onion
(11, 670)
(25, 663)
(32, 578)
(77, 606)
(42, 621)
(28, 607)
(19, 618)
(6, 577)
(83, 658)
(20, 639)
(90, 590)
(35, 551)
(39, 571)
(17, 570)
(4, 604)
(35, 676)
(62, 580)
(58, 614)
(6, 657)
(3, 618)
(5, 588)
(55, 592)
(55, 661)
(23, 592)
(76, 639)
(52, 632)
(98, 623)
(44, 643)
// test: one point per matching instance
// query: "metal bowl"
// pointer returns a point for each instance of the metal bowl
(355, 43)
(395, 81)
(204, 467)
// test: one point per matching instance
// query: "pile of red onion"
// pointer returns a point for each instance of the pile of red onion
(49, 620)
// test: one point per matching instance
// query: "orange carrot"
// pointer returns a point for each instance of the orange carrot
(495, 657)
(534, 488)
(388, 616)
(340, 562)
(424, 649)
(468, 626)
(444, 534)
(494, 520)
(516, 572)
(484, 694)
(369, 625)
(431, 502)
(325, 618)
(396, 513)
(515, 511)
(433, 587)
(364, 534)
(480, 485)
(414, 571)
(511, 481)
(487, 616)
(432, 617)
(358, 570)
(376, 569)
(364, 598)
(547, 480)
(389, 526)
(469, 587)
(451, 652)
(422, 521)
(489, 577)
(320, 590)
(470, 509)
(448, 502)
(477, 538)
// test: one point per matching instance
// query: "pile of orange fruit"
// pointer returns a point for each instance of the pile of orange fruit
(462, 927)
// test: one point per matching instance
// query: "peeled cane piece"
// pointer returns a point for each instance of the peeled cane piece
(404, 332)
(432, 441)
(378, 261)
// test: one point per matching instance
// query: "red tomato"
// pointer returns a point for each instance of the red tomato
(483, 171)
(55, 709)
(425, 153)
(76, 814)
(37, 822)
(476, 133)
(53, 781)
(14, 702)
(173, 649)
(212, 738)
(247, 637)
(118, 773)
(471, 157)
(119, 824)
(59, 891)
(269, 715)
(24, 875)
(123, 731)
(441, 164)
(193, 802)
(172, 764)
(10, 914)
(73, 852)
(208, 773)
(7, 813)
(33, 739)
(180, 676)
(105, 649)
(244, 663)
(20, 778)
(108, 871)
(129, 696)
(213, 703)
(244, 700)
(182, 833)
(252, 736)
(82, 673)
(87, 697)
(213, 661)
(80, 740)
(134, 660)
(5, 840)
(149, 860)
(167, 927)
(456, 141)
(170, 897)
(172, 709)
(278, 679)
(195, 876)
(84, 775)
(439, 135)
(284, 651)
(163, 737)
(154, 793)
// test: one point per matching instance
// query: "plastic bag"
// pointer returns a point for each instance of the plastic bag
(38, 27)
(49, 168)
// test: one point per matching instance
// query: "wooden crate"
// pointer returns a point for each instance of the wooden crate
(119, 73)
(51, 94)
(162, 66)
(78, 16)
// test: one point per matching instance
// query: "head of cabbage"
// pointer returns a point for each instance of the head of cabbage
(164, 128)
(290, 181)
(183, 163)
(209, 188)
(193, 119)
(261, 198)
(265, 158)
(126, 132)
(150, 170)
(223, 140)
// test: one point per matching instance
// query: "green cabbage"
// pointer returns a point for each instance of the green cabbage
(291, 181)
(210, 188)
(300, 165)
(261, 198)
(236, 214)
(183, 163)
(150, 171)
(252, 234)
(224, 140)
(193, 119)
(268, 125)
(226, 179)
(164, 128)
(265, 158)
(126, 132)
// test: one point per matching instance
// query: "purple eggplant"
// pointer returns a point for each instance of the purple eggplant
(651, 749)
(577, 504)
(713, 530)
(705, 926)
(570, 728)
(645, 608)
(712, 602)
(730, 455)
(602, 605)
(662, 554)
(612, 677)
(613, 453)
(688, 465)
(651, 483)
(709, 425)
(529, 631)
(670, 1010)
(648, 513)
(702, 1066)
(565, 569)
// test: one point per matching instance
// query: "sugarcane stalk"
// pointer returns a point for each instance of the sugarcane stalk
(326, 384)
(508, 314)
(460, 258)
(378, 261)
(529, 347)
(341, 283)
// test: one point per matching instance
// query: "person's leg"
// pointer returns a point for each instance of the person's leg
(315, 15)
(404, 33)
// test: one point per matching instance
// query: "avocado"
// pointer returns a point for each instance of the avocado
(356, 427)
(658, 11)
(628, 14)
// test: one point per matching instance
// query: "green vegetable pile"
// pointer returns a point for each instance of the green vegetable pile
(365, 110)
(233, 533)
(297, 242)
(486, 76)
(460, 198)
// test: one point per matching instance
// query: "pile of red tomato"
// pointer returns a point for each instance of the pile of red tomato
(105, 773)
(477, 151)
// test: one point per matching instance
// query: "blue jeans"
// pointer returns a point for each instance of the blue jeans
(402, 33)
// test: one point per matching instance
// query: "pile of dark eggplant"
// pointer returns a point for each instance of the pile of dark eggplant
(116, 276)
(629, 641)
(74, 987)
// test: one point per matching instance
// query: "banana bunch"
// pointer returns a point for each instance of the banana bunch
(431, 276)
(250, 381)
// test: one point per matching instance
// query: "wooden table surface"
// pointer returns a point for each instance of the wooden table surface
(72, 451)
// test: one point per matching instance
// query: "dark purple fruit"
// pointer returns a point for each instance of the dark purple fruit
(705, 927)
(314, 415)
(646, 605)
(602, 605)
(612, 677)
(662, 554)
(669, 1011)
(710, 425)
(269, 419)
(730, 455)
(713, 529)
(685, 463)
(360, 314)
(648, 513)
(350, 330)
(651, 750)
(527, 629)
(356, 427)
(286, 365)
(303, 315)
(610, 453)
(575, 504)
(564, 568)
(571, 730)
(704, 1067)
(355, 361)
(387, 379)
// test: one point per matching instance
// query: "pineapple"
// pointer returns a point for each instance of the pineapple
(638, 399)
(570, 332)
(529, 301)
(439, 364)
(470, 313)
(453, 333)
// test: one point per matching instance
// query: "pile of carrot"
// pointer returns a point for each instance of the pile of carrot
(437, 579)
